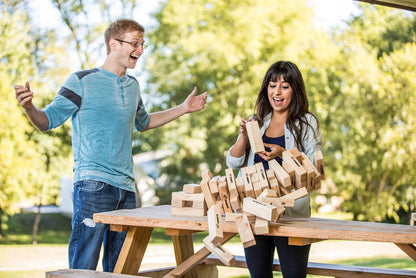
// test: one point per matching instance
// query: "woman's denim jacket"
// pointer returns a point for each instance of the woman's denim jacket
(312, 141)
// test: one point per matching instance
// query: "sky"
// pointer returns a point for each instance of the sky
(329, 14)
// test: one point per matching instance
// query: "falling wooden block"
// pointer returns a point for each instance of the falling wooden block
(268, 193)
(208, 195)
(281, 175)
(231, 217)
(213, 184)
(297, 154)
(311, 171)
(290, 171)
(300, 173)
(240, 188)
(273, 183)
(215, 230)
(256, 184)
(206, 175)
(223, 254)
(259, 209)
(192, 188)
(254, 136)
(248, 187)
(244, 229)
(224, 194)
(279, 208)
(264, 183)
(286, 202)
(232, 188)
(261, 226)
(297, 194)
(319, 162)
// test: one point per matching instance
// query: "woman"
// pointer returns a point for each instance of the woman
(282, 111)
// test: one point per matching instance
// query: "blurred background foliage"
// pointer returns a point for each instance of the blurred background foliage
(361, 83)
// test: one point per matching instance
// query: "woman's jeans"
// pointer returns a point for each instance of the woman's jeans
(293, 259)
(85, 244)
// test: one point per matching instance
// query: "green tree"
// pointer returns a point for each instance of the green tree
(16, 153)
(371, 130)
(223, 47)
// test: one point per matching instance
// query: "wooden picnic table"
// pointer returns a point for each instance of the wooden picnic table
(139, 224)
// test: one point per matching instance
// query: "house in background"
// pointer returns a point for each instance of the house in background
(147, 180)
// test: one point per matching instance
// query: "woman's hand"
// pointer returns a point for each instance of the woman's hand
(275, 151)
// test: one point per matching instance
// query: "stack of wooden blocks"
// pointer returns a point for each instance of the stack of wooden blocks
(259, 196)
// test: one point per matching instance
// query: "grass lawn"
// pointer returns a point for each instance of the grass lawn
(19, 258)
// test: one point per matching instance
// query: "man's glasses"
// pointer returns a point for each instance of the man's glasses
(135, 44)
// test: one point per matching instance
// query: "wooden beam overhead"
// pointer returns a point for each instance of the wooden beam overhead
(400, 4)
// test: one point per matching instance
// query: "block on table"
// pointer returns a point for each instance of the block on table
(261, 226)
(259, 209)
(192, 188)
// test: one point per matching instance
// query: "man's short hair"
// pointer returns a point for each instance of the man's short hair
(118, 28)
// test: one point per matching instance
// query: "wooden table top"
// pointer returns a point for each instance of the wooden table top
(308, 228)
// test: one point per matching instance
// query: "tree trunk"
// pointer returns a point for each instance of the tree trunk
(36, 225)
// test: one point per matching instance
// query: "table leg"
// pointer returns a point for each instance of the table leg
(133, 249)
(409, 249)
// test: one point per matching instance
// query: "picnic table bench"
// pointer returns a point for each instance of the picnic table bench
(139, 224)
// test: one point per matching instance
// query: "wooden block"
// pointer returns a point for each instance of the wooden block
(231, 217)
(279, 208)
(232, 188)
(256, 184)
(240, 188)
(264, 183)
(244, 229)
(286, 202)
(259, 209)
(223, 254)
(311, 171)
(261, 226)
(208, 195)
(224, 194)
(206, 175)
(215, 224)
(213, 184)
(284, 190)
(268, 193)
(300, 173)
(273, 182)
(181, 199)
(297, 194)
(319, 162)
(248, 187)
(281, 175)
(254, 136)
(188, 211)
(297, 154)
(251, 169)
(291, 172)
(192, 188)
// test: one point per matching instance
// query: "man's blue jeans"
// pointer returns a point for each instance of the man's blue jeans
(87, 237)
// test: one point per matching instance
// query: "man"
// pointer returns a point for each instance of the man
(105, 106)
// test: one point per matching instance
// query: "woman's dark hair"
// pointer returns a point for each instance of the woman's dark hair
(299, 105)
